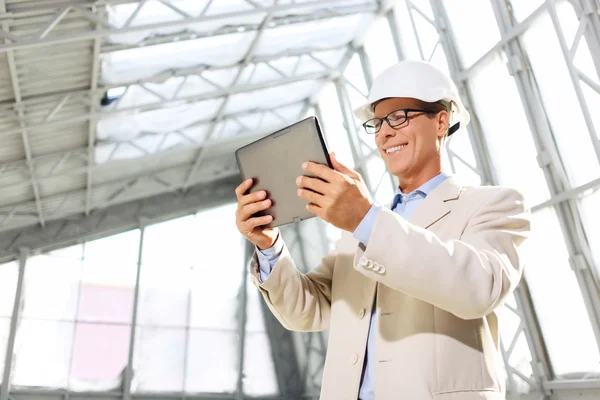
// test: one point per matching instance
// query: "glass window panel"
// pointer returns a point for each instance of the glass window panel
(100, 355)
(112, 261)
(171, 242)
(4, 332)
(159, 360)
(509, 324)
(591, 215)
(520, 360)
(427, 35)
(424, 6)
(460, 144)
(592, 99)
(522, 9)
(507, 132)
(122, 248)
(466, 173)
(356, 100)
(408, 39)
(102, 303)
(259, 371)
(254, 314)
(354, 74)
(215, 305)
(51, 287)
(558, 93)
(379, 46)
(164, 295)
(377, 172)
(465, 27)
(563, 319)
(212, 361)
(439, 60)
(9, 274)
(332, 124)
(42, 353)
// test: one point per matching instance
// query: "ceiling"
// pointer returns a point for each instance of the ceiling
(105, 102)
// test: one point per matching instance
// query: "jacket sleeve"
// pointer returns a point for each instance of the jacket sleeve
(468, 277)
(301, 302)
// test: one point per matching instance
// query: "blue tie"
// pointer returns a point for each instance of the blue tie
(397, 200)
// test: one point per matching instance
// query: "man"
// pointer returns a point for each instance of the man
(411, 297)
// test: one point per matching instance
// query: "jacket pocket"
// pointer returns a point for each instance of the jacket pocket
(460, 365)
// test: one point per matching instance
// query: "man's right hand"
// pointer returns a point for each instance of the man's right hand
(251, 227)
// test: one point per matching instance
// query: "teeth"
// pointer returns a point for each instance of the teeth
(397, 148)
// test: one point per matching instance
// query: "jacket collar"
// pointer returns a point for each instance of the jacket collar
(437, 204)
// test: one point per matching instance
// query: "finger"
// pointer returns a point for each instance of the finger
(243, 188)
(252, 198)
(250, 209)
(314, 184)
(322, 171)
(256, 221)
(338, 166)
(312, 197)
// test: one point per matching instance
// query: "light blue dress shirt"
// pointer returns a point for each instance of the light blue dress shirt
(404, 205)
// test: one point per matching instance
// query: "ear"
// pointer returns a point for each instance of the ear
(443, 124)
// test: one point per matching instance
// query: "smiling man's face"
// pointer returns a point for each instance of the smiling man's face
(411, 151)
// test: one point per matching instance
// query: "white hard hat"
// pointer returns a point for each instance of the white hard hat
(418, 80)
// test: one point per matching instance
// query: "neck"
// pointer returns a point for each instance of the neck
(413, 182)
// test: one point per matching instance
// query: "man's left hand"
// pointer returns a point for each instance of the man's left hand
(340, 198)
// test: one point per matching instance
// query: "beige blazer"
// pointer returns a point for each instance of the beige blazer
(438, 280)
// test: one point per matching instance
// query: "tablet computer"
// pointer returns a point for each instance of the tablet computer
(275, 161)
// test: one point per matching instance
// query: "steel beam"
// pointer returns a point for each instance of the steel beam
(91, 159)
(23, 254)
(14, 77)
(53, 165)
(277, 21)
(313, 76)
(37, 42)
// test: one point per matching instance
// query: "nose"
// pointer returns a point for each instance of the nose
(386, 131)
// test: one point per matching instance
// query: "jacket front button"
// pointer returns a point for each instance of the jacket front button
(354, 358)
(363, 262)
(362, 313)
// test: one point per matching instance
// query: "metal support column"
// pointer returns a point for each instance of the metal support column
(243, 309)
(475, 131)
(391, 19)
(554, 170)
(10, 346)
(351, 131)
(129, 369)
(540, 363)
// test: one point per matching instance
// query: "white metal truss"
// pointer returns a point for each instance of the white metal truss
(60, 10)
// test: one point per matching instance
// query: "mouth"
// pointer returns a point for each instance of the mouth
(395, 149)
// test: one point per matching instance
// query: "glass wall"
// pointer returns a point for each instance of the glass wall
(75, 326)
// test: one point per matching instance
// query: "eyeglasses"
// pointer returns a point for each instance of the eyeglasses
(394, 119)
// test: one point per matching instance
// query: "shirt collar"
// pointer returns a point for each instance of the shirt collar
(425, 188)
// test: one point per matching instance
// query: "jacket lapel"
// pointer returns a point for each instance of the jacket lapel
(437, 204)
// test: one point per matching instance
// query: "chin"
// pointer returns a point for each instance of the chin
(396, 168)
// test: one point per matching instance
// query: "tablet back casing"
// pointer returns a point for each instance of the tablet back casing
(275, 161)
